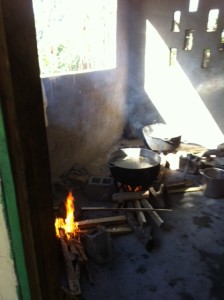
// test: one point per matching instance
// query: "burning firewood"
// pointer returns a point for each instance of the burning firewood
(73, 274)
(69, 234)
(77, 248)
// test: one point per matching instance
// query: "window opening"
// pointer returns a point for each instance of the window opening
(221, 48)
(176, 21)
(206, 58)
(222, 37)
(212, 23)
(189, 39)
(193, 5)
(75, 36)
(173, 56)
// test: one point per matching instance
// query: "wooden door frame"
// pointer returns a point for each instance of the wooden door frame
(23, 115)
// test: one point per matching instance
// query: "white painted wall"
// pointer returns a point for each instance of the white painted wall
(8, 279)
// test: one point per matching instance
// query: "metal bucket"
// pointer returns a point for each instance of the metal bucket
(213, 182)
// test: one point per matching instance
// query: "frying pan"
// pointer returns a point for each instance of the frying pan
(134, 166)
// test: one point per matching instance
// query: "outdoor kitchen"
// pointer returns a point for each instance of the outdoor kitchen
(111, 207)
(119, 172)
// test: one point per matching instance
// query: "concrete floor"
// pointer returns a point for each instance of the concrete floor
(185, 263)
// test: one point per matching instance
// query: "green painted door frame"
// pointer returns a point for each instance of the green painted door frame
(12, 216)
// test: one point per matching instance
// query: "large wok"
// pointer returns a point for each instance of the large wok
(134, 166)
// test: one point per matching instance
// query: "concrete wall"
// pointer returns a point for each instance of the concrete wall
(86, 112)
(186, 95)
(85, 117)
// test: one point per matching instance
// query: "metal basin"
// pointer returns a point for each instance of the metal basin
(161, 138)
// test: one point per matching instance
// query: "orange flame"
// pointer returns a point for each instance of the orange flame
(68, 225)
(135, 189)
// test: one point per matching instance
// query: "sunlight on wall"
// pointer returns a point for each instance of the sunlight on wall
(174, 96)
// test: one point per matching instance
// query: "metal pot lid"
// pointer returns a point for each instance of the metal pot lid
(161, 131)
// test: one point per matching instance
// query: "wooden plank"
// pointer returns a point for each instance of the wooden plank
(90, 223)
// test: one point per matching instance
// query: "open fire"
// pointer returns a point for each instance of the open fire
(68, 225)
(67, 233)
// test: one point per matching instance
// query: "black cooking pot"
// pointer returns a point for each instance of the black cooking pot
(134, 166)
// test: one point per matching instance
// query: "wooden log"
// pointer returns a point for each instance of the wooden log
(84, 259)
(114, 230)
(77, 248)
(176, 185)
(153, 214)
(179, 184)
(123, 196)
(106, 221)
(140, 214)
(119, 230)
(185, 190)
(153, 192)
(158, 193)
(131, 209)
